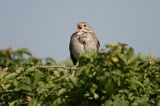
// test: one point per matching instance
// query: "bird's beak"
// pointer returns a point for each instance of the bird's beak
(79, 27)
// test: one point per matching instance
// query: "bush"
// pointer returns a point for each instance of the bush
(115, 76)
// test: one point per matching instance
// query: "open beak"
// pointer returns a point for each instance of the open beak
(79, 27)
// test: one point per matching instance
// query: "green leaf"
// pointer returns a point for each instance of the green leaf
(109, 86)
(122, 58)
(108, 103)
(50, 61)
(25, 51)
(26, 80)
(25, 87)
(19, 70)
(61, 91)
(73, 80)
(134, 82)
(95, 95)
(11, 76)
(115, 59)
(37, 76)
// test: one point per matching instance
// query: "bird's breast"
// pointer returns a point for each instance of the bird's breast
(83, 42)
(78, 47)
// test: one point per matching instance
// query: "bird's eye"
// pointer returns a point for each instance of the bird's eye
(85, 25)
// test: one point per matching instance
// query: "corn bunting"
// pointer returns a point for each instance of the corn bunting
(83, 40)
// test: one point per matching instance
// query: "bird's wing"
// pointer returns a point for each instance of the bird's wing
(96, 39)
(71, 55)
(70, 49)
(98, 45)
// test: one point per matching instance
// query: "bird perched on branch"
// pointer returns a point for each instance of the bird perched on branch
(83, 40)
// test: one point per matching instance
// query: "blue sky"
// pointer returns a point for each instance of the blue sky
(45, 26)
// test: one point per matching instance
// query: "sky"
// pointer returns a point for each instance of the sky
(45, 26)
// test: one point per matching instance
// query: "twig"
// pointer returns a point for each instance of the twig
(62, 67)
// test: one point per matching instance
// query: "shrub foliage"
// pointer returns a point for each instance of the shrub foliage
(115, 76)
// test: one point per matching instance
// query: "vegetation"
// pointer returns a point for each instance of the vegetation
(116, 76)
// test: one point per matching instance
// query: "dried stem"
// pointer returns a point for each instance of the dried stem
(62, 67)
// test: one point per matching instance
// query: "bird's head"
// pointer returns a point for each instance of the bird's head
(84, 27)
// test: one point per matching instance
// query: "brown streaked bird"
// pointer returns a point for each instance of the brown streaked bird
(83, 40)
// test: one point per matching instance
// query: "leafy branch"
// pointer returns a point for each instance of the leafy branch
(115, 76)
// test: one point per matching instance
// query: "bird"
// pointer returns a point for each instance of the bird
(83, 40)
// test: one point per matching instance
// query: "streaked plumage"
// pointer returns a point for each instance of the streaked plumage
(83, 40)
